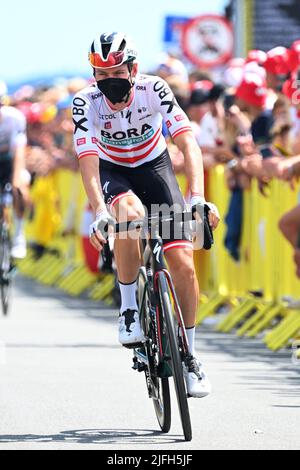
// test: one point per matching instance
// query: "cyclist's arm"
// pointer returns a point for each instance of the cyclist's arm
(89, 168)
(180, 129)
(85, 144)
(193, 161)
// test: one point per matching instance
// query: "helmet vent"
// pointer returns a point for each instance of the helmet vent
(105, 50)
(122, 45)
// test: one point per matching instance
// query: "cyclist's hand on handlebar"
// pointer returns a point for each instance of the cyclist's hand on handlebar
(98, 229)
(213, 212)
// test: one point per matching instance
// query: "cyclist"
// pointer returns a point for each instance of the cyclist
(119, 119)
(12, 165)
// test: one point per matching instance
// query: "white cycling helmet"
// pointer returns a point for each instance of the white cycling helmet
(111, 50)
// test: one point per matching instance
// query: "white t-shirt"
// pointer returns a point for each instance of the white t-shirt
(12, 131)
(208, 131)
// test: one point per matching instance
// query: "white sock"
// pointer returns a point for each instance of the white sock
(128, 297)
(190, 332)
(19, 226)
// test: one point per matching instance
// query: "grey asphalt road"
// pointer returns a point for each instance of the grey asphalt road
(65, 383)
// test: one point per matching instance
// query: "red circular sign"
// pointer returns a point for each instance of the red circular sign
(207, 40)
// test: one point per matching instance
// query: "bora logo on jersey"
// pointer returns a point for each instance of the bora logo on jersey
(129, 137)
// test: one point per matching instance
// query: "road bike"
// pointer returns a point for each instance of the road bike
(165, 348)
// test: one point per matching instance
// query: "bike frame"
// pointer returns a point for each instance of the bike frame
(153, 257)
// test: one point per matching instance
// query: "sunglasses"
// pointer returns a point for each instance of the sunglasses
(113, 59)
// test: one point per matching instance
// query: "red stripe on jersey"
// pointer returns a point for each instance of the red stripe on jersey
(88, 153)
(180, 131)
(130, 159)
(139, 147)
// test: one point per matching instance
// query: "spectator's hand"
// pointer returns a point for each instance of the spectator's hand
(271, 166)
(286, 170)
(262, 187)
(296, 144)
(252, 165)
(239, 119)
(39, 161)
(224, 154)
(263, 169)
(67, 126)
(209, 161)
(246, 145)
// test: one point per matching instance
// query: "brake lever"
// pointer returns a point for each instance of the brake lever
(208, 239)
(208, 233)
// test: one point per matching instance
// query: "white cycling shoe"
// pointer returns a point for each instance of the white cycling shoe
(130, 331)
(197, 382)
(18, 249)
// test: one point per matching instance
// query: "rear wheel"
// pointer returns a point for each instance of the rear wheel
(173, 352)
(158, 387)
(5, 296)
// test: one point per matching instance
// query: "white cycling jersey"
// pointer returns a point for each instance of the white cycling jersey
(133, 136)
(12, 131)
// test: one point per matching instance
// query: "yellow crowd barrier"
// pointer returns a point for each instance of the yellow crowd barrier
(59, 201)
(256, 291)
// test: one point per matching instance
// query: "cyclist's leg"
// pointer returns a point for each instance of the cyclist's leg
(182, 269)
(181, 265)
(159, 188)
(124, 206)
(5, 180)
(21, 194)
(19, 205)
(127, 207)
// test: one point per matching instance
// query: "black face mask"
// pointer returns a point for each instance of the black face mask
(115, 89)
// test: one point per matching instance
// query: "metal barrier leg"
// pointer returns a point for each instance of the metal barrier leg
(264, 322)
(103, 289)
(236, 315)
(209, 308)
(287, 329)
(262, 310)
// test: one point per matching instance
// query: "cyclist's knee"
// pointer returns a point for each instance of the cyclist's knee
(181, 263)
(128, 209)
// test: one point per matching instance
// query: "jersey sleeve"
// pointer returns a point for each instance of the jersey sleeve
(18, 136)
(85, 141)
(164, 102)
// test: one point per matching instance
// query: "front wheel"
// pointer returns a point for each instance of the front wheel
(159, 387)
(5, 267)
(172, 350)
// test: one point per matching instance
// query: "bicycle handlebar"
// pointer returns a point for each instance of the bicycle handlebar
(208, 239)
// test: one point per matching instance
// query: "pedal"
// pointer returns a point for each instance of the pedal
(8, 275)
(137, 365)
